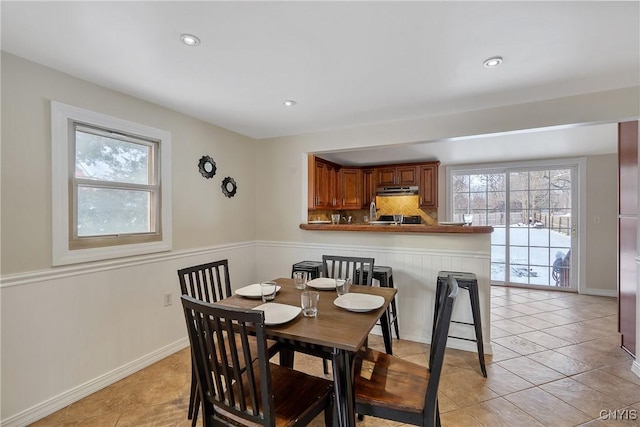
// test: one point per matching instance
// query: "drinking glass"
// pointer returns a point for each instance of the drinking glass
(342, 286)
(300, 279)
(309, 303)
(467, 218)
(268, 291)
(397, 219)
(335, 218)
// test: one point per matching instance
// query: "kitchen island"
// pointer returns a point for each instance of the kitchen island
(417, 253)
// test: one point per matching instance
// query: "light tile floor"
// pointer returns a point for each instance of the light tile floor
(556, 362)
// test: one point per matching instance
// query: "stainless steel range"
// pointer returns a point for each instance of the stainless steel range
(406, 219)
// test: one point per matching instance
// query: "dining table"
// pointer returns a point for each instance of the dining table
(335, 332)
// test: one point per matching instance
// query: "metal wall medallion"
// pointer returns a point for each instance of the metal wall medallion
(229, 187)
(207, 167)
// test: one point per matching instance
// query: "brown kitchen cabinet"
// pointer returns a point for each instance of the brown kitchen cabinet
(368, 187)
(397, 175)
(350, 188)
(332, 186)
(323, 184)
(428, 185)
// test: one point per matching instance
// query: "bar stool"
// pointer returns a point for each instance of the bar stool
(313, 268)
(384, 275)
(469, 282)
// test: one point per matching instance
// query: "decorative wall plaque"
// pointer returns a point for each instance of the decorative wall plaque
(229, 187)
(207, 167)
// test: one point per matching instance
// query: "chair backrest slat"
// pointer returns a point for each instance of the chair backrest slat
(231, 376)
(358, 269)
(207, 282)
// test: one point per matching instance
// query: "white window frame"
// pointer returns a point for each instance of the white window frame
(63, 117)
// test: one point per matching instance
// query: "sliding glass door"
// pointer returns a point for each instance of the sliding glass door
(532, 212)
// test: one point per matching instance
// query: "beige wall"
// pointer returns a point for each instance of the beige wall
(602, 237)
(67, 331)
(202, 215)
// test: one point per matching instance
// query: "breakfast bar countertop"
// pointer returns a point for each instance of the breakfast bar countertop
(404, 228)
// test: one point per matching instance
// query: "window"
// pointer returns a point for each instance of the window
(111, 186)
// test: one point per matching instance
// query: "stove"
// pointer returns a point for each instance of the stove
(407, 219)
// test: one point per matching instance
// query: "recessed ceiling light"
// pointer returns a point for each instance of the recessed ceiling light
(289, 103)
(189, 40)
(492, 62)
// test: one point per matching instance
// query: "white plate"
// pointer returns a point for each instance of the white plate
(359, 302)
(322, 283)
(276, 314)
(252, 291)
(451, 223)
(319, 222)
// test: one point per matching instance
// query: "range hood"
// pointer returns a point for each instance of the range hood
(397, 190)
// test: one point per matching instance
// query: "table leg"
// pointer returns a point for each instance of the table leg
(343, 388)
(386, 332)
(286, 356)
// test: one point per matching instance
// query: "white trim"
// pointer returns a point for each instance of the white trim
(635, 368)
(581, 238)
(65, 399)
(599, 292)
(27, 278)
(61, 115)
(304, 190)
(76, 270)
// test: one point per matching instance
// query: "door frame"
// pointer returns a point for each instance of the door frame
(579, 163)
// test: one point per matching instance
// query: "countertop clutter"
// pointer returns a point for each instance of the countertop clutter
(404, 228)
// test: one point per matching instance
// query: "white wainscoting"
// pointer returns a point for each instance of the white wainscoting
(414, 273)
(89, 326)
(70, 331)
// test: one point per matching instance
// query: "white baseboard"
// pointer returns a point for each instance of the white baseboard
(635, 368)
(600, 292)
(65, 399)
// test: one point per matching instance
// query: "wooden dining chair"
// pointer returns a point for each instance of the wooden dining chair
(358, 269)
(247, 389)
(210, 283)
(395, 389)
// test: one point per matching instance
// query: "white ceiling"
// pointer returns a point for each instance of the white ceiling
(345, 63)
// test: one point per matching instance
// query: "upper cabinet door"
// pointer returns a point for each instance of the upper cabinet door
(429, 186)
(323, 184)
(407, 175)
(350, 182)
(397, 175)
(368, 187)
(385, 176)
